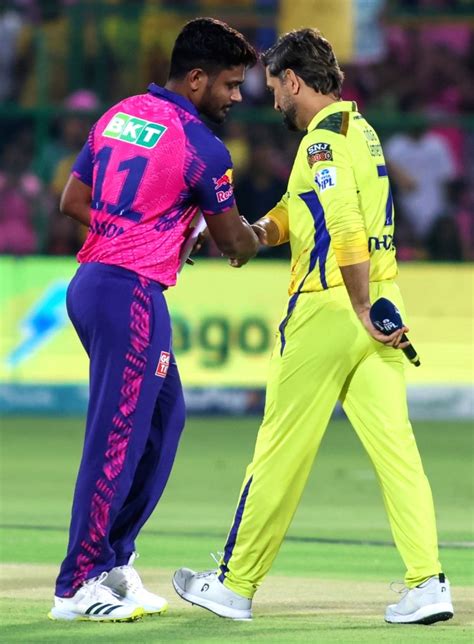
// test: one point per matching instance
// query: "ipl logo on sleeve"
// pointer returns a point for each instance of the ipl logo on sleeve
(163, 364)
(325, 179)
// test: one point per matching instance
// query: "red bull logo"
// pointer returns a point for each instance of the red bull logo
(223, 195)
(223, 181)
(223, 186)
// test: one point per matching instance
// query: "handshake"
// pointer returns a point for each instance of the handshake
(262, 229)
(237, 239)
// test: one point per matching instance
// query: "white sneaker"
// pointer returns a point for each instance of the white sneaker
(204, 589)
(427, 603)
(126, 583)
(96, 603)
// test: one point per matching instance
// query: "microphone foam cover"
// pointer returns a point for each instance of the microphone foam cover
(385, 316)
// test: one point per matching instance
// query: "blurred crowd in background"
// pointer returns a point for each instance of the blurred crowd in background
(409, 65)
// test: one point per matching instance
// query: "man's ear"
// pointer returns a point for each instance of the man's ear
(196, 78)
(292, 81)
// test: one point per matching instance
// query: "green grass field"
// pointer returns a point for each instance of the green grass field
(330, 582)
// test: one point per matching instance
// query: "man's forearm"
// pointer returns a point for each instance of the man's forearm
(356, 279)
(79, 213)
(76, 200)
(243, 246)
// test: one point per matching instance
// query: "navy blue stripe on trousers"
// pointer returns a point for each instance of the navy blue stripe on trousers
(289, 311)
(322, 239)
(229, 546)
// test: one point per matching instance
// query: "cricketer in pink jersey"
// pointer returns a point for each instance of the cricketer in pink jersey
(164, 166)
(148, 170)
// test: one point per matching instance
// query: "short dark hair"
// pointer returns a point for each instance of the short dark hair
(310, 56)
(211, 45)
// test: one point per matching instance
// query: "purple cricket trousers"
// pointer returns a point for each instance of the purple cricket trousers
(134, 421)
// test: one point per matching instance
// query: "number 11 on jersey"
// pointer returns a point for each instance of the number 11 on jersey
(135, 169)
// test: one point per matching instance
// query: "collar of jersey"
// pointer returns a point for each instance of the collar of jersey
(337, 106)
(162, 92)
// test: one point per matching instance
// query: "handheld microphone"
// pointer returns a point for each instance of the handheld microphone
(385, 317)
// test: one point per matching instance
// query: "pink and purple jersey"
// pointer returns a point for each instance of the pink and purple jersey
(153, 165)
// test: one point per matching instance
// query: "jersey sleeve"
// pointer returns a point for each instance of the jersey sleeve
(208, 171)
(279, 216)
(83, 166)
(330, 164)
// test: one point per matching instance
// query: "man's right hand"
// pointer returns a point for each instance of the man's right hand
(236, 262)
(393, 340)
(266, 231)
(261, 233)
(233, 235)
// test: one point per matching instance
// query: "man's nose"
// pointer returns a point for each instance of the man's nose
(236, 95)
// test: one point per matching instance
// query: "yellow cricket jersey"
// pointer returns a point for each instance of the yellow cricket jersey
(338, 209)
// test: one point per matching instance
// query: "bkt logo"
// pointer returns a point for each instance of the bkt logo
(131, 129)
(386, 242)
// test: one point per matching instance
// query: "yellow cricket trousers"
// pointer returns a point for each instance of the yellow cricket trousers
(328, 355)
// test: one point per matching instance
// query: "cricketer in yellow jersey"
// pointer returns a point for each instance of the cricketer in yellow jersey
(338, 217)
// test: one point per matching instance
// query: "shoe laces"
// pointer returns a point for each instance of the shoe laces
(97, 591)
(211, 573)
(133, 557)
(399, 588)
(217, 557)
(131, 578)
(206, 574)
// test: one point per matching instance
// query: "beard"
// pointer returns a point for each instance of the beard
(211, 106)
(217, 114)
(289, 118)
(213, 113)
